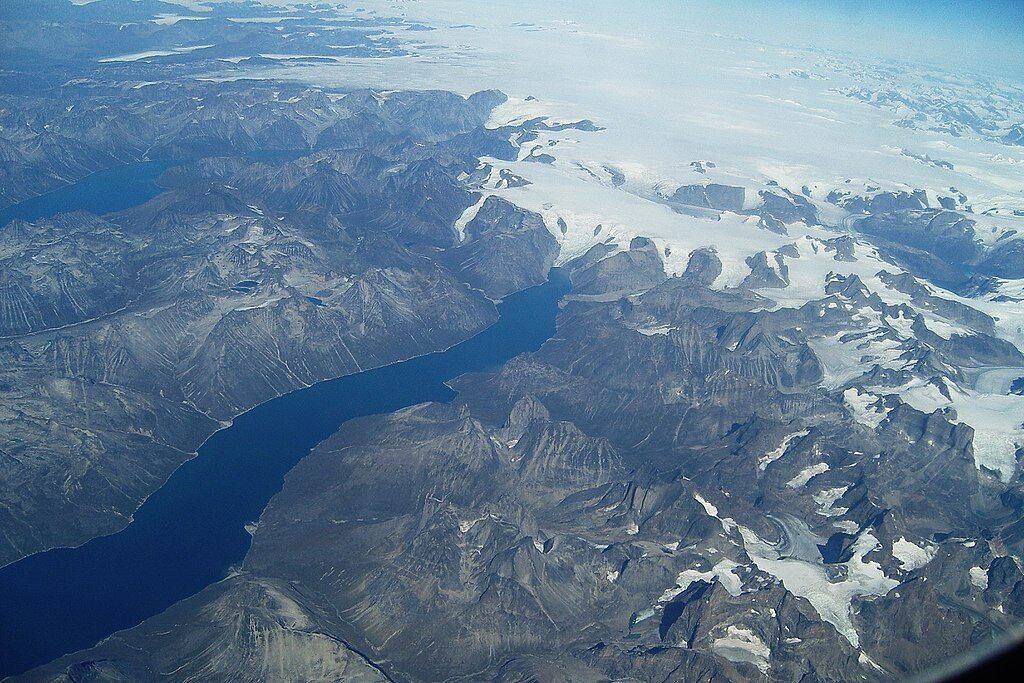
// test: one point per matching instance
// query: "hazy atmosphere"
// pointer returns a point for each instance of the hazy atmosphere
(440, 340)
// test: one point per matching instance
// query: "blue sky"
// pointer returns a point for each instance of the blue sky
(979, 35)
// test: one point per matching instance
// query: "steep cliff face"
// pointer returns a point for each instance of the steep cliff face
(504, 249)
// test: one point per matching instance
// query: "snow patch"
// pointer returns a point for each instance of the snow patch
(809, 579)
(772, 456)
(723, 571)
(826, 500)
(740, 644)
(468, 215)
(727, 522)
(867, 408)
(910, 555)
(807, 474)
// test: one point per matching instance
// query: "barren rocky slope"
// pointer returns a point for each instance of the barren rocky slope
(131, 337)
(665, 488)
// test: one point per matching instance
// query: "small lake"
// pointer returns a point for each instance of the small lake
(113, 189)
(190, 532)
(107, 191)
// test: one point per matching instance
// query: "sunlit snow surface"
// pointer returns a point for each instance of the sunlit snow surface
(682, 101)
(146, 54)
(806, 577)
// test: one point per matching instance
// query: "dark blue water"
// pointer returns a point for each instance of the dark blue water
(190, 532)
(114, 189)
